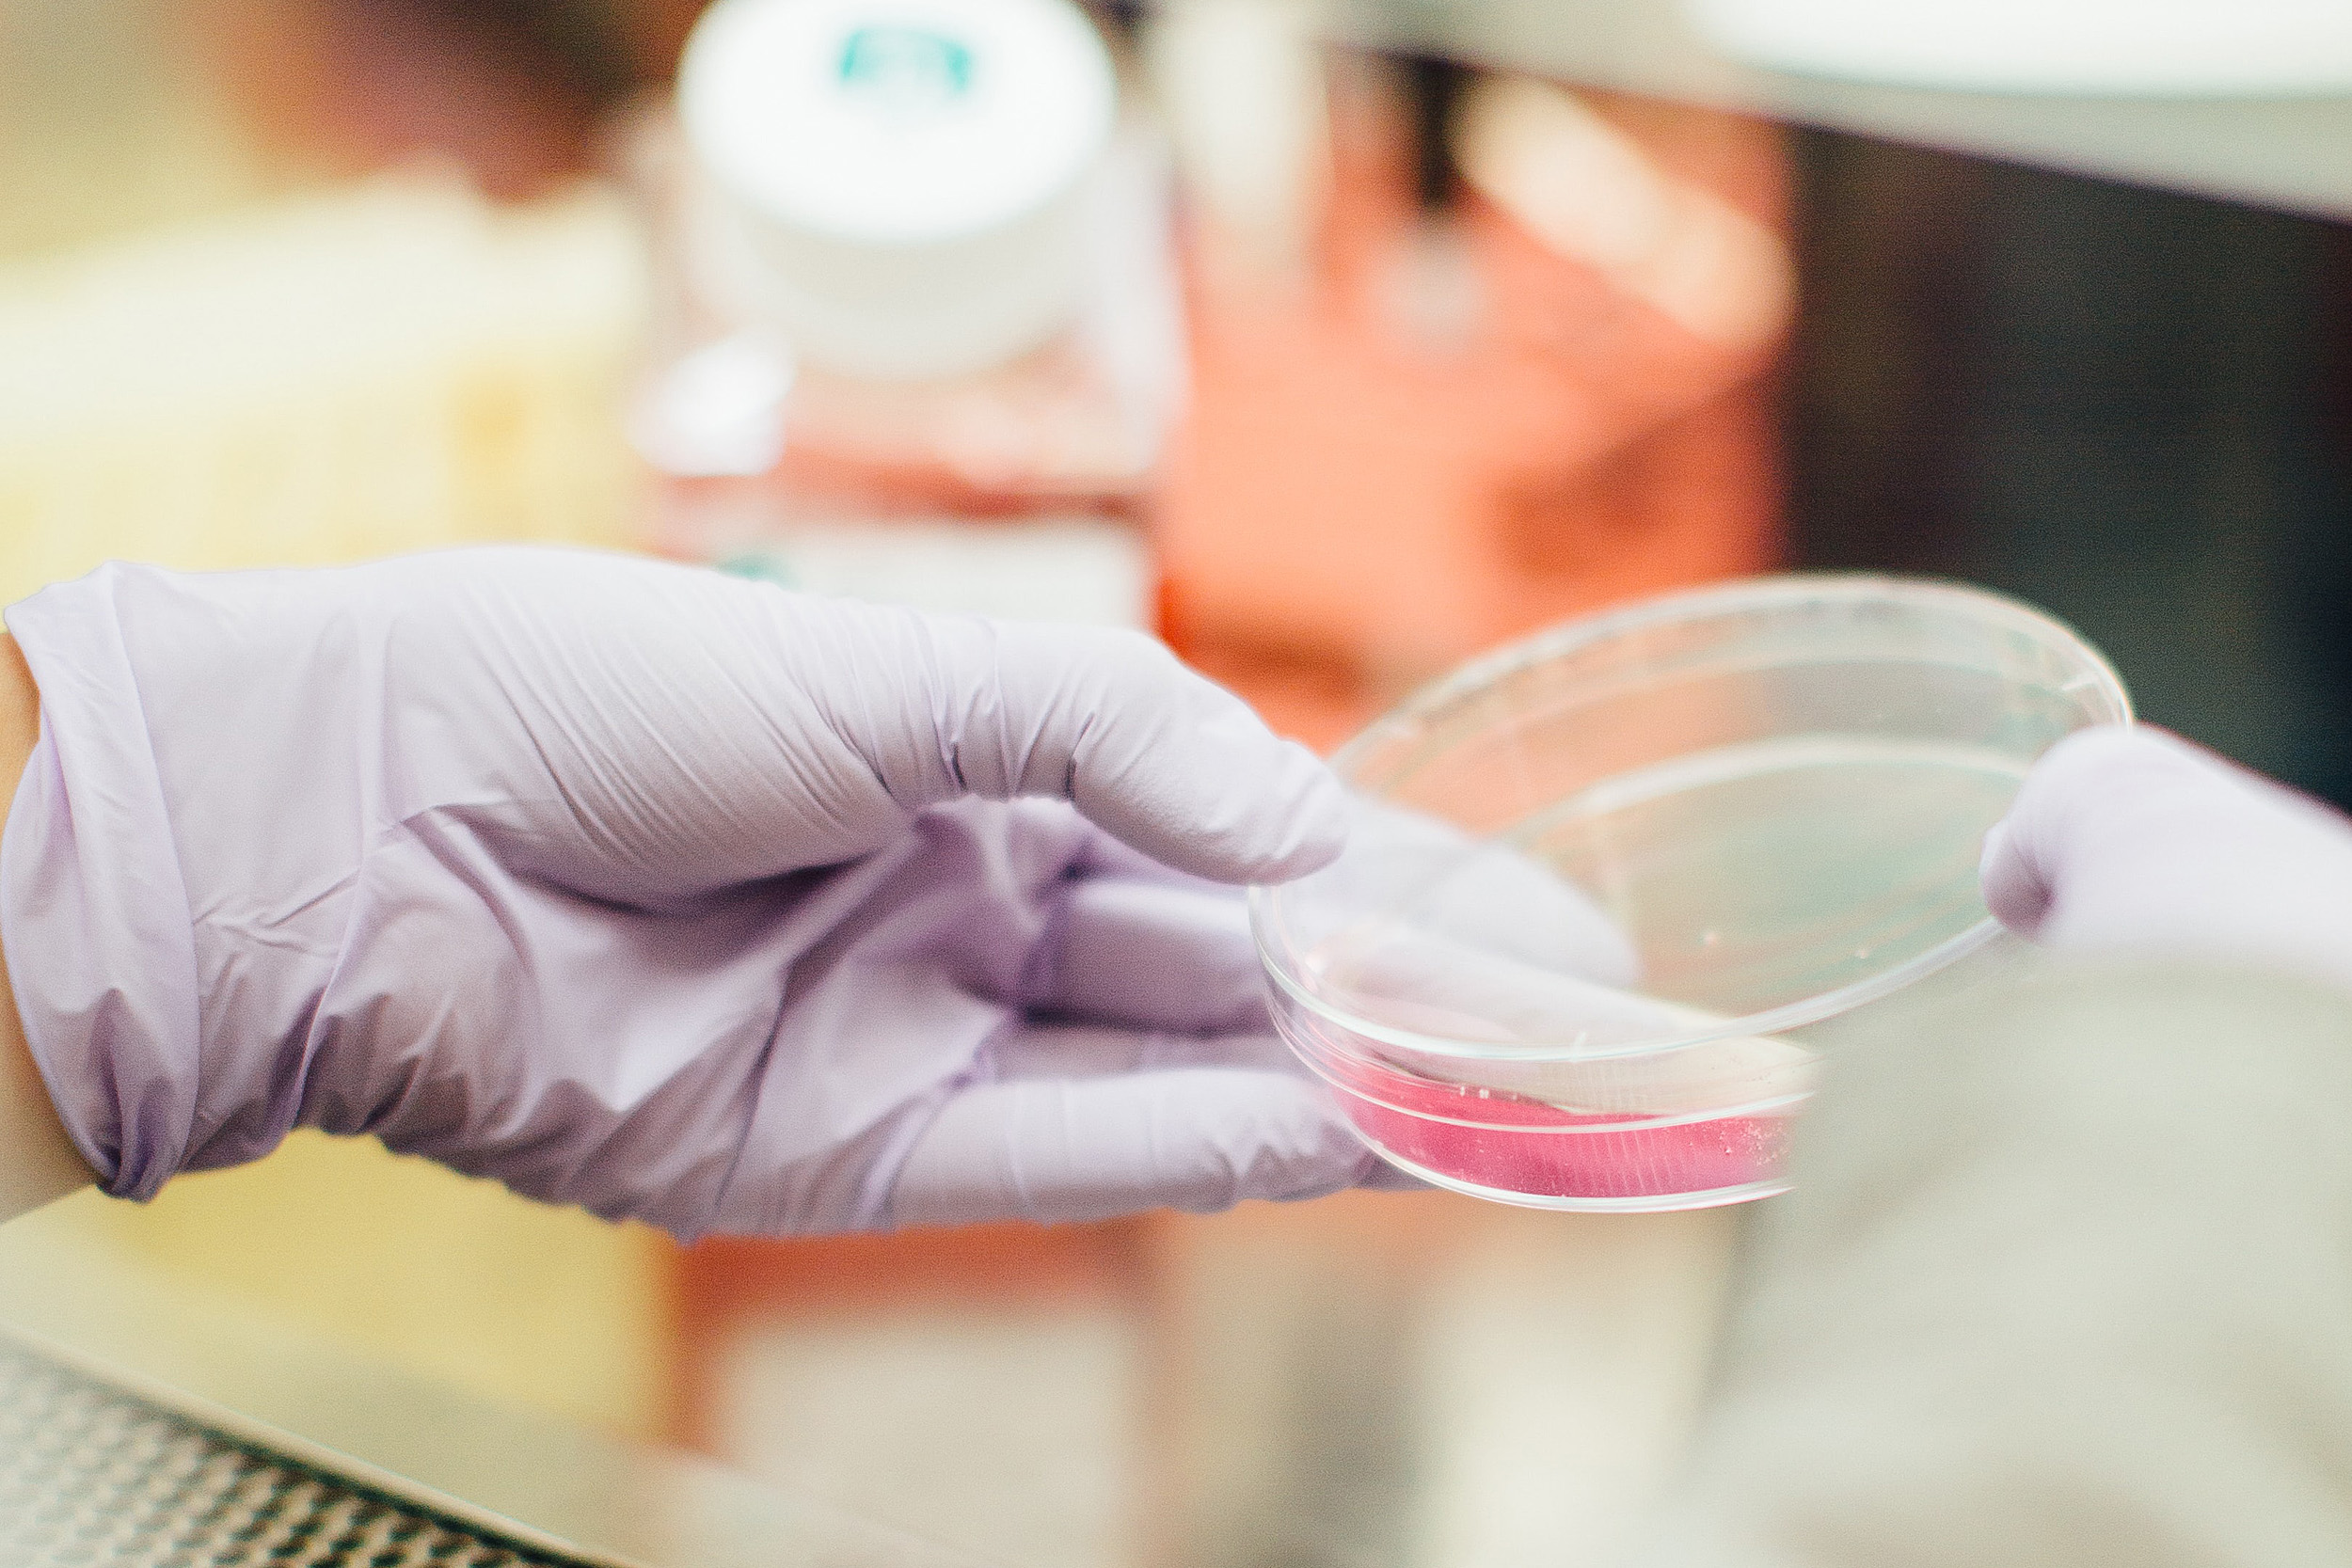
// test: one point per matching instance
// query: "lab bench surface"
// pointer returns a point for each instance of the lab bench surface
(213, 1389)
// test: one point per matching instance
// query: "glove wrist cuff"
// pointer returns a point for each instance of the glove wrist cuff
(93, 909)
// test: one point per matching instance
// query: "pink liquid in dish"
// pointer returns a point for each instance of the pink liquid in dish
(1524, 1147)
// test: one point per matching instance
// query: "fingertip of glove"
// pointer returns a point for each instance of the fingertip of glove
(1270, 816)
(1315, 817)
(2014, 890)
(2025, 854)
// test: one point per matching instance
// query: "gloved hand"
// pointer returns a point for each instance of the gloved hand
(2132, 840)
(640, 888)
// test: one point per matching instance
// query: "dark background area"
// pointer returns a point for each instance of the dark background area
(2131, 408)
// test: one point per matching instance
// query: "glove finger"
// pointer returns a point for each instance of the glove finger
(2024, 853)
(1410, 872)
(1476, 892)
(1160, 955)
(2132, 838)
(1173, 765)
(1198, 1139)
(1157, 948)
(1413, 982)
(2011, 875)
(1386, 1177)
(2108, 808)
(1070, 1051)
(1106, 856)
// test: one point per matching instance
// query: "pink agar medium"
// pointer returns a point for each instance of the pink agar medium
(1511, 1145)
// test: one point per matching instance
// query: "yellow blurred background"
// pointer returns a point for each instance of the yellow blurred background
(217, 353)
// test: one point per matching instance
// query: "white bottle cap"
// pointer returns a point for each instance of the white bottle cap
(902, 183)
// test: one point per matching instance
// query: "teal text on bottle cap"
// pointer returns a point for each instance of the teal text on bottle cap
(907, 69)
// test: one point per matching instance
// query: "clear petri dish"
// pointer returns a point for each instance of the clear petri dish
(1609, 885)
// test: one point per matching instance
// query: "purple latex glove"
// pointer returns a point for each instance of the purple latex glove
(645, 889)
(2132, 840)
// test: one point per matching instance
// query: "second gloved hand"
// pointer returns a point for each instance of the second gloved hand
(638, 887)
(2134, 841)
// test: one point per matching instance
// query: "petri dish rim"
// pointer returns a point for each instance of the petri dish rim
(1774, 1104)
(1451, 690)
(1661, 1203)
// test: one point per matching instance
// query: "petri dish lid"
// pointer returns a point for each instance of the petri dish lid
(1909, 623)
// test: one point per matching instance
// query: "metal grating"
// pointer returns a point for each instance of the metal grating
(92, 1476)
